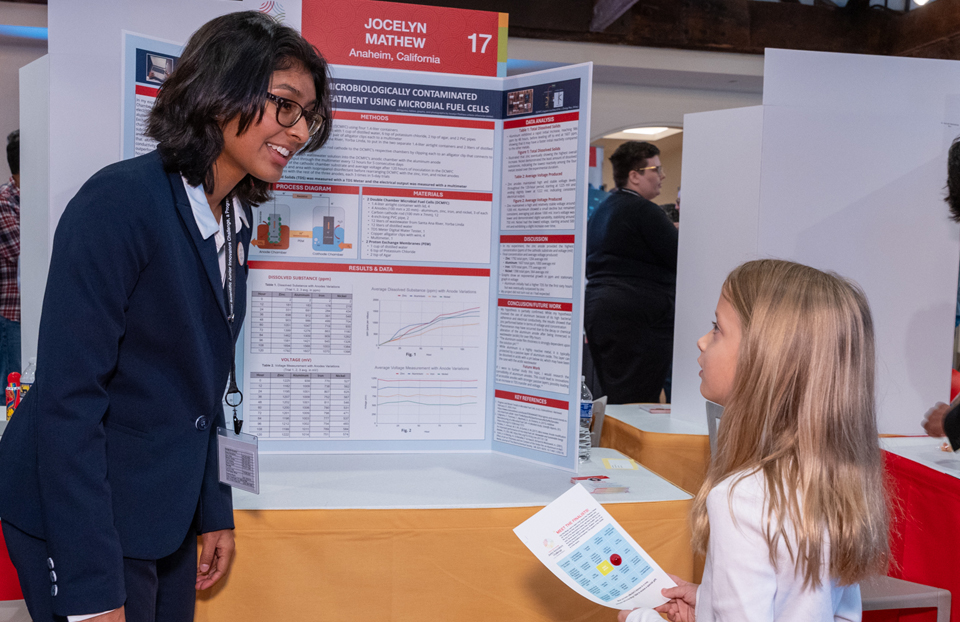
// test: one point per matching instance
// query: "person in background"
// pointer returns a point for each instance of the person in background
(108, 469)
(631, 280)
(794, 512)
(9, 262)
(670, 209)
(939, 421)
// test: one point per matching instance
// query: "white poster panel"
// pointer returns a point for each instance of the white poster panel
(825, 173)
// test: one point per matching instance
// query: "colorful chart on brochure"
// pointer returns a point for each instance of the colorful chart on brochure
(606, 565)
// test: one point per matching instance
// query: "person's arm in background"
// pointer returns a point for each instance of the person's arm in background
(939, 422)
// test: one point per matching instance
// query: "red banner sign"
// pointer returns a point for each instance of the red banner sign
(406, 36)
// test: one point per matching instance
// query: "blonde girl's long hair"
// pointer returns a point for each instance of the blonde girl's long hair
(802, 412)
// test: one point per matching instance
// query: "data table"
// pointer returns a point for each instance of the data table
(298, 405)
(300, 323)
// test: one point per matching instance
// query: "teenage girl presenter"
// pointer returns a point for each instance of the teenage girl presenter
(793, 512)
(109, 471)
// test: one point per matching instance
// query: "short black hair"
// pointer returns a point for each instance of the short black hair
(13, 152)
(630, 156)
(224, 73)
(953, 179)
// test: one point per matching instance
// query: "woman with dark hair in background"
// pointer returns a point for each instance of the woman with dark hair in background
(108, 470)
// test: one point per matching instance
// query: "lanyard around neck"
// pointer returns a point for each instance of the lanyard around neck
(234, 396)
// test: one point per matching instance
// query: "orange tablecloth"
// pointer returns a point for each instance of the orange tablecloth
(416, 565)
(681, 459)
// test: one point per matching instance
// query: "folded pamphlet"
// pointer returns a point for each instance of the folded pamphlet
(589, 551)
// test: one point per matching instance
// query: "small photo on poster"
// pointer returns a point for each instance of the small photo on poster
(553, 97)
(158, 68)
(519, 102)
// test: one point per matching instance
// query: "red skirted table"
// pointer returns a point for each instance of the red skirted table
(925, 539)
(9, 585)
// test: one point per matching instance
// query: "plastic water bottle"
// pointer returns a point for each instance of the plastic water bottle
(28, 376)
(586, 416)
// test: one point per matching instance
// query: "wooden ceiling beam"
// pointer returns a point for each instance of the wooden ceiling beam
(606, 12)
(743, 26)
(568, 17)
(746, 26)
(820, 28)
(928, 31)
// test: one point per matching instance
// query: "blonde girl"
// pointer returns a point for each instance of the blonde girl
(793, 512)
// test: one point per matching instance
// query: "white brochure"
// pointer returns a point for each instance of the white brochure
(589, 551)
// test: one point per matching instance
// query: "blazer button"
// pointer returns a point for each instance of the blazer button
(202, 423)
(53, 576)
(50, 563)
(53, 590)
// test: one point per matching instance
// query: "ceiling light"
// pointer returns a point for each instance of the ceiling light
(920, 2)
(646, 131)
(652, 134)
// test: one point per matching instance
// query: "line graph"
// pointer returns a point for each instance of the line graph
(427, 400)
(426, 324)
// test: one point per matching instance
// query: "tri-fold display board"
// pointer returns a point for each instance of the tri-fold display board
(415, 285)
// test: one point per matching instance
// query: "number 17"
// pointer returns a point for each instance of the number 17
(486, 41)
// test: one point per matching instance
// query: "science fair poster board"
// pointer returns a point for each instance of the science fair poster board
(415, 284)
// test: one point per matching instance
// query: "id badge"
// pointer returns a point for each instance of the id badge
(238, 461)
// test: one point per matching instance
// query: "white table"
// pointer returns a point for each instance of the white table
(432, 481)
(924, 450)
(634, 415)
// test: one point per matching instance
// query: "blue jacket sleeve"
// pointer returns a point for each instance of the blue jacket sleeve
(100, 247)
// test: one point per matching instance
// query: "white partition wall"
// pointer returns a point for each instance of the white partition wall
(35, 215)
(848, 175)
(721, 219)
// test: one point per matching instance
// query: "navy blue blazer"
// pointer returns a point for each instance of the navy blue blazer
(113, 451)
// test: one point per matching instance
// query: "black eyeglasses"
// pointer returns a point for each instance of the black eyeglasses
(290, 112)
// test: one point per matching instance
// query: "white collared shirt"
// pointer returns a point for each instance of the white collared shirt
(208, 225)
